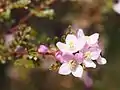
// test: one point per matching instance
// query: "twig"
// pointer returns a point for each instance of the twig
(24, 19)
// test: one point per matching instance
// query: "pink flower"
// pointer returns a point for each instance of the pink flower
(70, 65)
(43, 49)
(91, 50)
(79, 50)
(72, 44)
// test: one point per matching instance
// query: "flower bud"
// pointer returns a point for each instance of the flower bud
(43, 49)
(59, 57)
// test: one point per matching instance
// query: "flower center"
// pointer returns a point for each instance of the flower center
(73, 65)
(71, 44)
(87, 55)
(86, 37)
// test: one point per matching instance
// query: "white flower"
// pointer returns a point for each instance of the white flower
(116, 7)
(71, 67)
(72, 45)
(90, 40)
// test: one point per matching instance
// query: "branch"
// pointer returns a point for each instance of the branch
(24, 19)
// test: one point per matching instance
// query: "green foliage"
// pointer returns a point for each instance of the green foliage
(24, 63)
(20, 48)
(5, 14)
(108, 6)
(44, 13)
(24, 42)
(20, 3)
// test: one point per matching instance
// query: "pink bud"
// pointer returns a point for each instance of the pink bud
(59, 57)
(43, 49)
(79, 57)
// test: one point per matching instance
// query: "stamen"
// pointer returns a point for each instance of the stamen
(71, 44)
(87, 55)
(73, 65)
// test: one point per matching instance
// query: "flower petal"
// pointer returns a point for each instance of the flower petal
(67, 56)
(73, 43)
(93, 39)
(89, 63)
(80, 43)
(71, 39)
(101, 60)
(95, 54)
(58, 56)
(79, 57)
(64, 69)
(78, 72)
(80, 33)
(62, 47)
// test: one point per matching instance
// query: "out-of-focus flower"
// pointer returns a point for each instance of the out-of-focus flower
(1, 10)
(20, 50)
(87, 79)
(8, 39)
(43, 49)
(116, 7)
(12, 72)
(71, 66)
(72, 45)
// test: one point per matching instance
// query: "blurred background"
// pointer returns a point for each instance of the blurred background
(90, 15)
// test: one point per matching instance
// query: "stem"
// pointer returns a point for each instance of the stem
(24, 19)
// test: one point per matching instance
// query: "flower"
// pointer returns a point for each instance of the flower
(72, 45)
(70, 65)
(91, 53)
(116, 7)
(91, 50)
(90, 40)
(43, 49)
(77, 50)
(9, 38)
